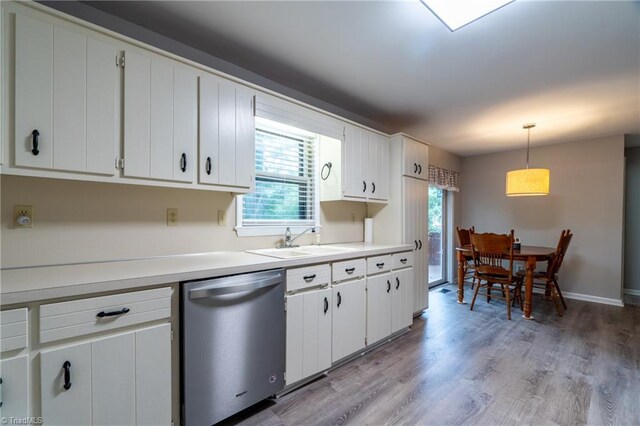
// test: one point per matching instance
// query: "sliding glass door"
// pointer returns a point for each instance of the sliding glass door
(437, 236)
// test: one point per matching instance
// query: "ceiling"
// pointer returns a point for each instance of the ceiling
(572, 67)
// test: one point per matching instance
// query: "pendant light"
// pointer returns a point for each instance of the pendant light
(528, 182)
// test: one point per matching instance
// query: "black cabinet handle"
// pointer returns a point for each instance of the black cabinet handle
(420, 242)
(373, 185)
(349, 270)
(339, 299)
(415, 168)
(67, 375)
(380, 265)
(103, 314)
(364, 186)
(416, 243)
(183, 162)
(403, 261)
(207, 166)
(397, 283)
(326, 305)
(388, 286)
(308, 278)
(34, 142)
(0, 392)
(419, 169)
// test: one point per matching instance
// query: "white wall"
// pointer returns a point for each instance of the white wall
(84, 221)
(587, 189)
(632, 221)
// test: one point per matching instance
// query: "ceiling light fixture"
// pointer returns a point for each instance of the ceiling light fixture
(456, 14)
(528, 182)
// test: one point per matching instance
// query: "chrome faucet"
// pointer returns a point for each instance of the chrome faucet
(288, 241)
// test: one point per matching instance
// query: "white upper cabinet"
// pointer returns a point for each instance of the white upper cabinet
(160, 118)
(416, 159)
(360, 166)
(227, 134)
(65, 99)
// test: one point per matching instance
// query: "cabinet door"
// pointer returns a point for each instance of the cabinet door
(416, 159)
(402, 301)
(422, 255)
(379, 309)
(137, 115)
(161, 158)
(34, 92)
(209, 127)
(113, 372)
(70, 406)
(153, 375)
(245, 138)
(227, 133)
(354, 162)
(349, 318)
(308, 334)
(14, 390)
(185, 123)
(379, 166)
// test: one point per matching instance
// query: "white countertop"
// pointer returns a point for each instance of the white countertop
(23, 285)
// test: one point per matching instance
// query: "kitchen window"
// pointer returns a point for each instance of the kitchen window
(285, 189)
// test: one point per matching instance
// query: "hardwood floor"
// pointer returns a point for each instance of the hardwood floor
(463, 367)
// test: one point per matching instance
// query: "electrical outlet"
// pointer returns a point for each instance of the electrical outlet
(23, 216)
(172, 217)
(222, 218)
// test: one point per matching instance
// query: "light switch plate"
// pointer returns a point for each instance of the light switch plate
(222, 218)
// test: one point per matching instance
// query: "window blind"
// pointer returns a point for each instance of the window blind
(285, 170)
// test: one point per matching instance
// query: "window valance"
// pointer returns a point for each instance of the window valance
(444, 179)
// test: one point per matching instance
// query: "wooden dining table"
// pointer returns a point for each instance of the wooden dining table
(531, 255)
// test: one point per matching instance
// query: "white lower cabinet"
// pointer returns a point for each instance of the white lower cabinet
(402, 299)
(118, 380)
(379, 307)
(308, 334)
(349, 318)
(14, 387)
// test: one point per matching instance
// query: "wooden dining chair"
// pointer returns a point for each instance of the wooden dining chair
(493, 261)
(464, 240)
(549, 279)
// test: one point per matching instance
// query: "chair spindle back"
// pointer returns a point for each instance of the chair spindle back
(489, 250)
(463, 236)
(558, 256)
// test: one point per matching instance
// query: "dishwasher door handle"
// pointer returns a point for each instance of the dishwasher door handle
(218, 290)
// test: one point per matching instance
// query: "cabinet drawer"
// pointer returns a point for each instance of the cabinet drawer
(13, 329)
(378, 264)
(79, 317)
(348, 269)
(402, 260)
(310, 276)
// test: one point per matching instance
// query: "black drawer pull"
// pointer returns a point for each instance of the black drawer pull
(350, 270)
(326, 305)
(34, 142)
(415, 168)
(419, 169)
(103, 314)
(397, 283)
(403, 261)
(388, 286)
(339, 299)
(67, 375)
(420, 242)
(380, 265)
(183, 162)
(207, 166)
(308, 278)
(373, 185)
(364, 186)
(416, 243)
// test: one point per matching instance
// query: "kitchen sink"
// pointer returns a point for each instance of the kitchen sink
(302, 251)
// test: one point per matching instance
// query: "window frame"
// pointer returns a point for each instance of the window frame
(243, 230)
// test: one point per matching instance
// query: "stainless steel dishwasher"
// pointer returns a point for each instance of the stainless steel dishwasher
(233, 344)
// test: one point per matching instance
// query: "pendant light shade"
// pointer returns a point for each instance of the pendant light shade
(527, 182)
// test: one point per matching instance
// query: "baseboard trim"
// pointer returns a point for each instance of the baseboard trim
(632, 291)
(595, 299)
